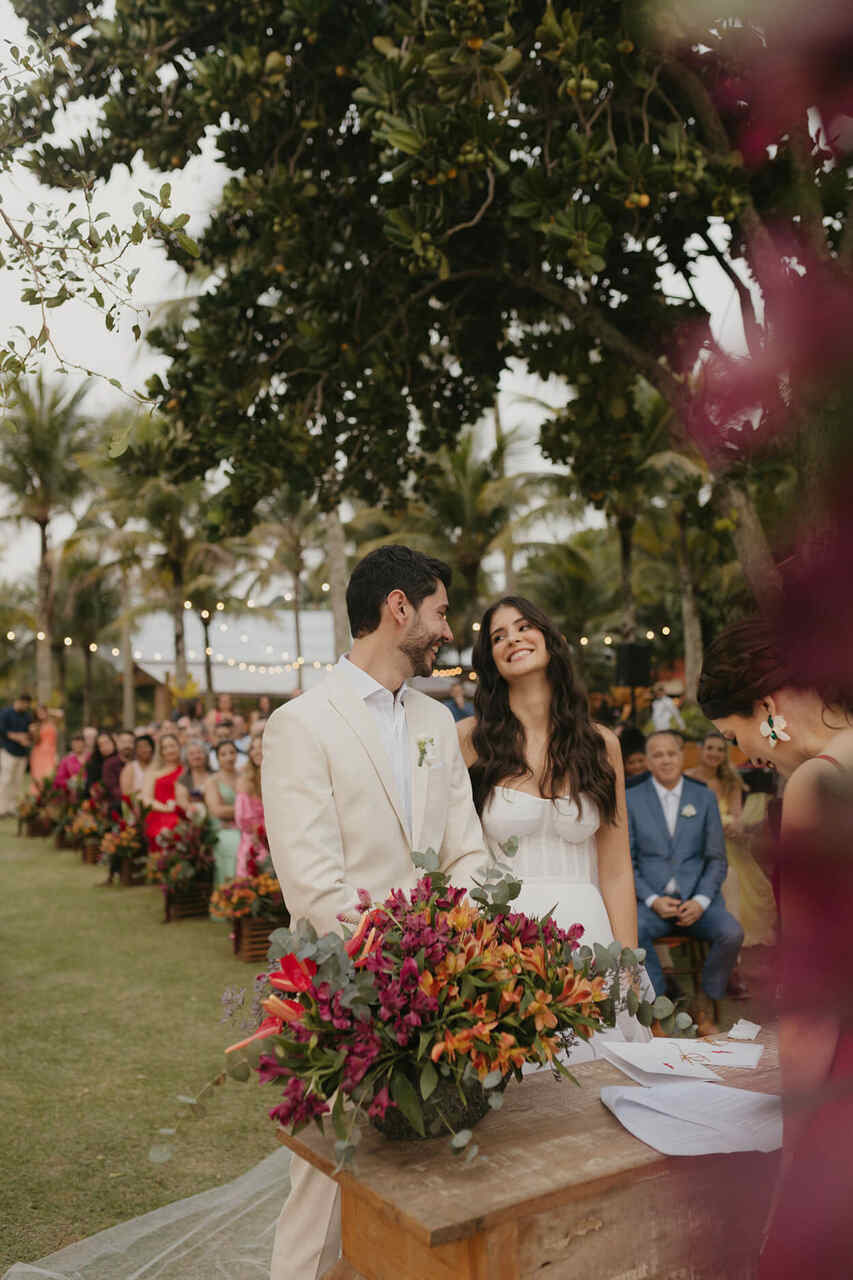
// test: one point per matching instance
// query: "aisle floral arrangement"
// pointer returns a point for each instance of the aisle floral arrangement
(421, 1017)
(255, 896)
(41, 809)
(184, 855)
(126, 836)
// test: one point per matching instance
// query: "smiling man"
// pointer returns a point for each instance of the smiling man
(679, 856)
(357, 773)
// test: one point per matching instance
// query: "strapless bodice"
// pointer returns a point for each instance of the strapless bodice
(556, 838)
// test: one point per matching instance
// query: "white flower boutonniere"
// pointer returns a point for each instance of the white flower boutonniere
(427, 753)
(689, 811)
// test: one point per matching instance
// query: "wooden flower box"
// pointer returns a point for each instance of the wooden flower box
(192, 901)
(90, 850)
(62, 839)
(132, 871)
(252, 938)
(40, 825)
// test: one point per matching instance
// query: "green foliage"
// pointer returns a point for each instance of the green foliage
(421, 195)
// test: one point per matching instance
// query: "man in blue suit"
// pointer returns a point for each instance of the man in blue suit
(679, 856)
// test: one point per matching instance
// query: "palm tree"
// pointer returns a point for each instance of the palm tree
(40, 467)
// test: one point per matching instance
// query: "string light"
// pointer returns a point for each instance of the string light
(472, 675)
(325, 587)
(115, 652)
(250, 604)
(269, 648)
(608, 639)
(40, 635)
(137, 656)
(10, 635)
(475, 626)
(158, 657)
(188, 604)
(242, 666)
(244, 638)
(208, 653)
(219, 606)
(192, 655)
(232, 662)
(664, 631)
(584, 640)
(650, 635)
(316, 666)
(288, 595)
(67, 642)
(205, 613)
(285, 655)
(223, 626)
(93, 648)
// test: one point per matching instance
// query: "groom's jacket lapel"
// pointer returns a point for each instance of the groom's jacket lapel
(360, 720)
(656, 813)
(420, 769)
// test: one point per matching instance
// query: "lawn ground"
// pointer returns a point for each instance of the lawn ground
(107, 1016)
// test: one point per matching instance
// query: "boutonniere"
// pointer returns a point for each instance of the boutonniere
(688, 811)
(427, 752)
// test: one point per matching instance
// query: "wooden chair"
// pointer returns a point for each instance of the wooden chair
(691, 952)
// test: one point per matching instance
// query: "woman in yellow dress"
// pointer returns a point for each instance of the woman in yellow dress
(747, 892)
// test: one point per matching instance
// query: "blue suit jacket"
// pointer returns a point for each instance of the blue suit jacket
(695, 856)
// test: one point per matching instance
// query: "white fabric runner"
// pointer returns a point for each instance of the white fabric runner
(225, 1233)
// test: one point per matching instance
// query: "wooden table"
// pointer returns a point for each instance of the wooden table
(559, 1190)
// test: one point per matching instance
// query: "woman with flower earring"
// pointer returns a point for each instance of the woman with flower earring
(803, 727)
(544, 773)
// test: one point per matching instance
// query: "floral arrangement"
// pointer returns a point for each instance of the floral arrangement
(185, 853)
(432, 996)
(41, 804)
(258, 896)
(124, 839)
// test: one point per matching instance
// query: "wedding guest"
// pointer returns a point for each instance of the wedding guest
(241, 737)
(105, 746)
(14, 751)
(220, 794)
(196, 773)
(249, 813)
(632, 744)
(133, 773)
(223, 710)
(679, 855)
(457, 704)
(90, 735)
(666, 713)
(803, 727)
(43, 753)
(747, 892)
(114, 767)
(162, 791)
(262, 711)
(223, 732)
(71, 764)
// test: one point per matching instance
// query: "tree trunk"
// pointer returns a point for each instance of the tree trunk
(178, 627)
(690, 621)
(62, 674)
(44, 611)
(87, 684)
(753, 549)
(336, 551)
(509, 570)
(297, 625)
(208, 666)
(128, 692)
(625, 526)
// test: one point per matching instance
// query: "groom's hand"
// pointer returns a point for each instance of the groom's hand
(689, 912)
(667, 908)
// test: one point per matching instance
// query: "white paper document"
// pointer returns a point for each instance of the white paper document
(744, 1030)
(694, 1118)
(650, 1062)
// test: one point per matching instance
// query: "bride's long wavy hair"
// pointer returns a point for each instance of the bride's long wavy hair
(577, 756)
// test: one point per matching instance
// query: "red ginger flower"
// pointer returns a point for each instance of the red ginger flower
(296, 974)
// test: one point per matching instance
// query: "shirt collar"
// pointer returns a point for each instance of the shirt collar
(675, 791)
(364, 684)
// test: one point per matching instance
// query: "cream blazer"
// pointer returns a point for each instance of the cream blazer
(333, 816)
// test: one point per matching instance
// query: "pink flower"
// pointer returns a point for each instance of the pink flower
(380, 1104)
(296, 974)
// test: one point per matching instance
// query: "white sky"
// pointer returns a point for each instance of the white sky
(81, 337)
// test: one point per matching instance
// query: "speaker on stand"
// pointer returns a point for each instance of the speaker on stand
(634, 668)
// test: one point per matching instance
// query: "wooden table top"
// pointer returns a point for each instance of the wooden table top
(549, 1139)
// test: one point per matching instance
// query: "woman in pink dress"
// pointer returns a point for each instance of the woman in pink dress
(161, 790)
(249, 813)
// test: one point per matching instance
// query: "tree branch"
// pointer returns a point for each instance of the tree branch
(464, 226)
(751, 327)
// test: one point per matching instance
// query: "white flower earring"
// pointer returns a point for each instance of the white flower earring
(774, 730)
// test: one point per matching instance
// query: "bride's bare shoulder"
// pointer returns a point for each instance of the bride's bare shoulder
(465, 729)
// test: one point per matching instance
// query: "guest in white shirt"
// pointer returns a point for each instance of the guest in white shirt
(666, 713)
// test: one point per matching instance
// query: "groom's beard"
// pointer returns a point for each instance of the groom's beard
(419, 649)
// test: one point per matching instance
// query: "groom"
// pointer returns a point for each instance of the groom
(357, 773)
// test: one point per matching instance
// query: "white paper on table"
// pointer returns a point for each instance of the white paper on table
(651, 1062)
(724, 1053)
(693, 1118)
(744, 1030)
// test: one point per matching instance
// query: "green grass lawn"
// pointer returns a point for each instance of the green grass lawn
(107, 1015)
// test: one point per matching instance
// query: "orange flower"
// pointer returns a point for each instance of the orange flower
(453, 1043)
(286, 1010)
(579, 990)
(534, 958)
(542, 1015)
(510, 995)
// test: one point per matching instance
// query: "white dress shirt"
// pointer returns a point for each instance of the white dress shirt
(666, 715)
(389, 711)
(670, 799)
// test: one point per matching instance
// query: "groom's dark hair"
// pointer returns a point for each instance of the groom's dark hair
(387, 569)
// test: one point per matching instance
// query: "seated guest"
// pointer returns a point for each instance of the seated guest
(196, 774)
(240, 735)
(162, 791)
(220, 794)
(632, 743)
(665, 708)
(133, 773)
(679, 856)
(104, 747)
(114, 766)
(222, 711)
(224, 732)
(457, 704)
(262, 711)
(249, 813)
(70, 765)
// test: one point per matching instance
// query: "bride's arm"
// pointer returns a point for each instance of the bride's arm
(464, 729)
(615, 872)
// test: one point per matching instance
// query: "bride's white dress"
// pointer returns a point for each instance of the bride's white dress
(557, 864)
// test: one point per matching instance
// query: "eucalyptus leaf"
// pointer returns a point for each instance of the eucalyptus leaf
(403, 1093)
(460, 1140)
(428, 1080)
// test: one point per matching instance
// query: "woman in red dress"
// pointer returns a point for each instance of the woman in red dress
(161, 790)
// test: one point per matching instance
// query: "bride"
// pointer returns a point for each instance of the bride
(543, 772)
